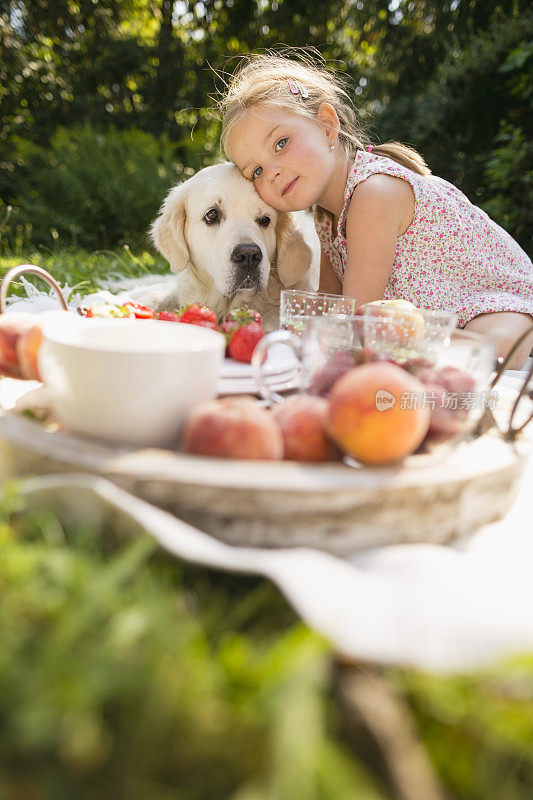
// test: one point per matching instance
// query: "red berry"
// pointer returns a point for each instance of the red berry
(167, 316)
(205, 323)
(242, 316)
(140, 311)
(195, 313)
(228, 328)
(242, 343)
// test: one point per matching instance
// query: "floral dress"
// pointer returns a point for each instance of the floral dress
(452, 257)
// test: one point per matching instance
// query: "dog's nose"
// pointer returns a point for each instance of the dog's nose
(246, 255)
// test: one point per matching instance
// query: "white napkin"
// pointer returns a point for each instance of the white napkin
(149, 290)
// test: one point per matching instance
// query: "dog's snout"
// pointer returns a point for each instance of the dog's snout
(246, 255)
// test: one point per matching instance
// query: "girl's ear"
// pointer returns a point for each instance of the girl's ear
(168, 230)
(293, 255)
(330, 120)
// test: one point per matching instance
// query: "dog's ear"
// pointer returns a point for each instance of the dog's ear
(293, 254)
(168, 230)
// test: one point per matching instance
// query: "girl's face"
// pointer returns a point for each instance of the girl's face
(288, 157)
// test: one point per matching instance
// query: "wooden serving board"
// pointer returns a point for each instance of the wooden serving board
(285, 504)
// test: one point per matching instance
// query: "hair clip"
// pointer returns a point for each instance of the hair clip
(298, 88)
(293, 86)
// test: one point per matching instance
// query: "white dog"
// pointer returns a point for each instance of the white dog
(229, 248)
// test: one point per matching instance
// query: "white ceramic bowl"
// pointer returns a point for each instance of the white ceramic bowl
(131, 381)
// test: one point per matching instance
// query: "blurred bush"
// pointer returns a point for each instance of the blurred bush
(477, 727)
(451, 78)
(125, 674)
(509, 165)
(509, 180)
(472, 121)
(90, 188)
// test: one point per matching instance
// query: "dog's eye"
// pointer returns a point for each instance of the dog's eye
(264, 221)
(212, 216)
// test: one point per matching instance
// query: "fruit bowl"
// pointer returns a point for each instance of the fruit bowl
(285, 503)
(452, 371)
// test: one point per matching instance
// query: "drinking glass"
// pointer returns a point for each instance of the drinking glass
(297, 307)
(399, 331)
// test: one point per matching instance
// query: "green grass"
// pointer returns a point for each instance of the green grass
(126, 674)
(84, 271)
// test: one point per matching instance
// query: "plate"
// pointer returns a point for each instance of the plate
(277, 383)
(280, 360)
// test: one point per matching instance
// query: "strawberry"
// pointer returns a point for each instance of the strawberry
(206, 323)
(237, 318)
(242, 343)
(139, 311)
(167, 316)
(228, 328)
(242, 316)
(195, 314)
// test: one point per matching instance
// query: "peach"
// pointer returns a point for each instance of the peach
(12, 327)
(29, 344)
(233, 428)
(403, 323)
(302, 420)
(377, 413)
(446, 386)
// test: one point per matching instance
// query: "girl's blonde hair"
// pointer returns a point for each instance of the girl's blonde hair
(263, 78)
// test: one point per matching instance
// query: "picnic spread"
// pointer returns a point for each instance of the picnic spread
(416, 556)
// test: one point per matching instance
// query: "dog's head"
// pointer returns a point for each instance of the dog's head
(216, 223)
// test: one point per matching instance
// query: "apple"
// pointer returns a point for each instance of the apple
(402, 323)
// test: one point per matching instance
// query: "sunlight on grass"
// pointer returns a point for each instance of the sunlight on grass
(84, 271)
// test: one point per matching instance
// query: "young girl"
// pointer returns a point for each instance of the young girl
(388, 227)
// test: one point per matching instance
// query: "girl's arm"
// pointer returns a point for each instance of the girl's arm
(504, 328)
(328, 280)
(381, 209)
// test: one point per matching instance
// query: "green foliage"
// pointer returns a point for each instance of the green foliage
(509, 166)
(509, 178)
(127, 674)
(124, 674)
(83, 271)
(470, 119)
(478, 728)
(451, 78)
(92, 188)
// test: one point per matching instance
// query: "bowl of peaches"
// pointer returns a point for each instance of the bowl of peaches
(387, 383)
